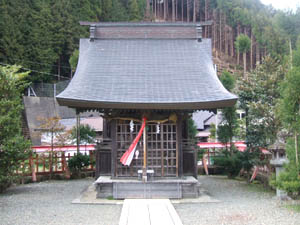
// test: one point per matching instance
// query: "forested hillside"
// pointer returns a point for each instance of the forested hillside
(41, 35)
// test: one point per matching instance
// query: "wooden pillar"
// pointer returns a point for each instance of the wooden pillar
(179, 153)
(97, 157)
(145, 154)
(104, 129)
(77, 131)
(113, 128)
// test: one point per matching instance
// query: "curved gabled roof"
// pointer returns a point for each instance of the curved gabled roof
(146, 74)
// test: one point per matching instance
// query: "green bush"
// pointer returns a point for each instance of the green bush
(232, 163)
(288, 180)
(14, 149)
(78, 162)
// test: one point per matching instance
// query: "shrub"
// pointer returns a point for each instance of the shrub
(78, 162)
(288, 180)
(13, 147)
(232, 163)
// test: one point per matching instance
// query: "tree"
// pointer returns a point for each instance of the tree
(87, 134)
(133, 11)
(258, 97)
(296, 55)
(227, 128)
(289, 108)
(192, 129)
(74, 60)
(53, 126)
(243, 44)
(13, 147)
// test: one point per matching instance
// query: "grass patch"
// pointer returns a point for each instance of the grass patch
(294, 208)
(255, 186)
(110, 198)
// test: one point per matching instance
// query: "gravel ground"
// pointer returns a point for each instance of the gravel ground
(239, 205)
(50, 203)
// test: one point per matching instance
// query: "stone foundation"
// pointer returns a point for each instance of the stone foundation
(175, 188)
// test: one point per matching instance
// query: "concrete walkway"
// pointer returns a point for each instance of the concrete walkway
(148, 212)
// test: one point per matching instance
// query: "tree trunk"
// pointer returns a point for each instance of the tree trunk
(147, 9)
(257, 53)
(238, 53)
(58, 68)
(291, 54)
(206, 17)
(194, 12)
(176, 10)
(214, 31)
(245, 64)
(165, 10)
(188, 10)
(173, 10)
(232, 42)
(251, 51)
(182, 10)
(220, 30)
(296, 147)
(155, 16)
(226, 39)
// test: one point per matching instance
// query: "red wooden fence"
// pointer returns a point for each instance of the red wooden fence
(40, 163)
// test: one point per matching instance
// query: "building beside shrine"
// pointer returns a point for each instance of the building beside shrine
(159, 71)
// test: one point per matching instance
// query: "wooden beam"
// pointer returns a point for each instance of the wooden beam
(145, 154)
(179, 153)
(77, 131)
(113, 128)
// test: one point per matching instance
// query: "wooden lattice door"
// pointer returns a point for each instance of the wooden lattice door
(161, 149)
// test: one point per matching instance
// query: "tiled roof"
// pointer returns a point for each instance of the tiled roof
(200, 117)
(140, 74)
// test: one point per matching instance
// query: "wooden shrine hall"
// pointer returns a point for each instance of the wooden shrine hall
(146, 79)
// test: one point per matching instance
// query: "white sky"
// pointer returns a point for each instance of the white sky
(282, 4)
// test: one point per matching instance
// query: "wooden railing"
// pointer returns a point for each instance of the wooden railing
(40, 163)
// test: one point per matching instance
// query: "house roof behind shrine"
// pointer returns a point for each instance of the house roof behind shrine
(145, 66)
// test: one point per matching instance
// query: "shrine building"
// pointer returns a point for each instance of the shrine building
(146, 79)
